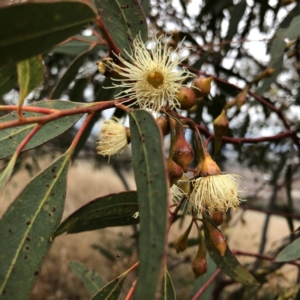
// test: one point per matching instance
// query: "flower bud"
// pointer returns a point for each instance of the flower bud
(201, 86)
(174, 170)
(186, 98)
(181, 151)
(220, 127)
(217, 217)
(217, 238)
(164, 125)
(180, 244)
(207, 167)
(199, 264)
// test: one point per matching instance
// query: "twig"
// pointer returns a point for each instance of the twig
(206, 284)
(131, 291)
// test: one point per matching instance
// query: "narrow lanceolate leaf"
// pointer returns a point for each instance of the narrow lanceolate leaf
(33, 27)
(112, 290)
(229, 264)
(8, 78)
(124, 20)
(6, 173)
(68, 75)
(152, 188)
(30, 76)
(10, 138)
(290, 252)
(168, 291)
(26, 228)
(110, 210)
(89, 277)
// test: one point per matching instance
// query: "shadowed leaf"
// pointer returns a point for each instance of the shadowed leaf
(8, 78)
(35, 26)
(112, 290)
(168, 291)
(152, 188)
(228, 264)
(124, 20)
(89, 277)
(110, 210)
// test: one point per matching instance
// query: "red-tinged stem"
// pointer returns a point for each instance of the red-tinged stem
(259, 99)
(112, 46)
(271, 212)
(175, 212)
(131, 291)
(101, 41)
(132, 267)
(63, 113)
(261, 256)
(81, 131)
(27, 139)
(206, 285)
(36, 109)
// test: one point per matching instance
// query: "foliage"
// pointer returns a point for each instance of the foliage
(57, 61)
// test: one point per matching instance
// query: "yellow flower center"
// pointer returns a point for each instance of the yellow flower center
(155, 79)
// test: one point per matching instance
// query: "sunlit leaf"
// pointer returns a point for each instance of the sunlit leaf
(30, 76)
(10, 138)
(26, 229)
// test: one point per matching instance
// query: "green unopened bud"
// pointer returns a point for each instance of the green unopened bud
(220, 127)
(199, 264)
(217, 238)
(186, 98)
(181, 243)
(174, 170)
(201, 86)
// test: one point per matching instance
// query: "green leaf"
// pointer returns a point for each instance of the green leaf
(124, 20)
(236, 15)
(26, 229)
(10, 138)
(69, 75)
(89, 277)
(168, 291)
(104, 252)
(30, 76)
(108, 211)
(76, 47)
(288, 29)
(6, 173)
(112, 290)
(152, 188)
(229, 264)
(8, 78)
(290, 252)
(33, 27)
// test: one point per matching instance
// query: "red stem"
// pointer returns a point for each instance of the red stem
(131, 291)
(81, 131)
(27, 139)
(63, 113)
(271, 212)
(206, 285)
(112, 46)
(261, 256)
(36, 109)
